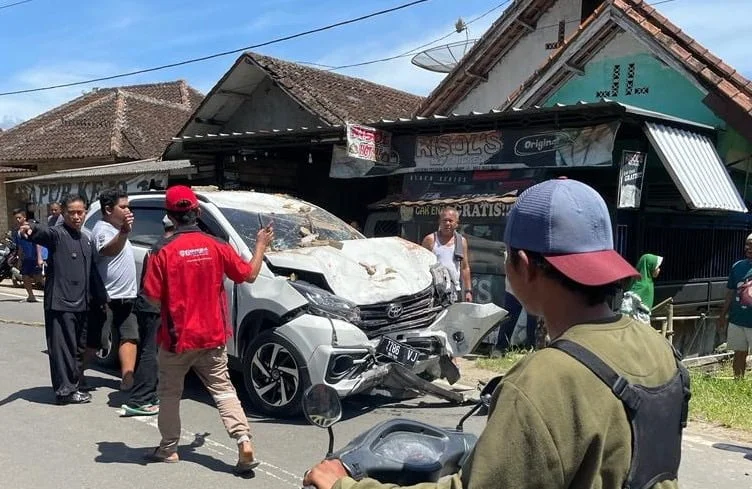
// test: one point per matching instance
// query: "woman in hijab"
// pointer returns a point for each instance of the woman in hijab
(649, 267)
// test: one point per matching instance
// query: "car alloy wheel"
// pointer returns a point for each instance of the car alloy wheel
(275, 375)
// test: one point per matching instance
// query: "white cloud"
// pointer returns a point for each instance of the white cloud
(17, 108)
(400, 73)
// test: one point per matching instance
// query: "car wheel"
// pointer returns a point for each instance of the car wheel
(275, 375)
(107, 355)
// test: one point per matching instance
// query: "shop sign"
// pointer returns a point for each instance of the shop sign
(368, 144)
(483, 150)
(483, 209)
(631, 177)
(442, 185)
(44, 193)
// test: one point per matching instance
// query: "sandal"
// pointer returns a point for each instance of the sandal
(245, 467)
(145, 410)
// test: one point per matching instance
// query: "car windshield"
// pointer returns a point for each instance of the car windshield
(310, 228)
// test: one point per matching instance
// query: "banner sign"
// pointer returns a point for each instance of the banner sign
(631, 176)
(44, 193)
(486, 150)
(368, 144)
(441, 185)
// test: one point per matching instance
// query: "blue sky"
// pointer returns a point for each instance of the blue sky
(57, 41)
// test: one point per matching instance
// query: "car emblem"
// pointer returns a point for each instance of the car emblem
(393, 311)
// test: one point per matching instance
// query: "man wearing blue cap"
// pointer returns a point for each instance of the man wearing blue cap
(566, 416)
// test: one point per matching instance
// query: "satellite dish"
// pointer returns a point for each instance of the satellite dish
(443, 59)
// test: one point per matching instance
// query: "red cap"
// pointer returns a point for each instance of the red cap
(180, 199)
(594, 268)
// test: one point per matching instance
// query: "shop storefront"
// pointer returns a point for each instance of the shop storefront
(662, 178)
(35, 194)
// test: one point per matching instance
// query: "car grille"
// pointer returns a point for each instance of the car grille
(418, 311)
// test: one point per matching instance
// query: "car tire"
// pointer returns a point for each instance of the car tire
(107, 355)
(275, 375)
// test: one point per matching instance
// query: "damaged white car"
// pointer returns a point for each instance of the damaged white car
(329, 306)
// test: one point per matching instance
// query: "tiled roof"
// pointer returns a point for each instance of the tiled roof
(502, 36)
(132, 122)
(337, 98)
(10, 169)
(710, 70)
(151, 165)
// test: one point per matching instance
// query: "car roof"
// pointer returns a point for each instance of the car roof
(243, 200)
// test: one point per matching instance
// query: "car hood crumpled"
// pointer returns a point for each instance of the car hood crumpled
(364, 271)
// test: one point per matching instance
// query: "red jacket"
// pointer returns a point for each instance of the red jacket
(185, 274)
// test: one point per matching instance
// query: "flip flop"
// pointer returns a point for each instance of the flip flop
(147, 410)
(245, 467)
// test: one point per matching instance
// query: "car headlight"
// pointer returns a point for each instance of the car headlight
(326, 304)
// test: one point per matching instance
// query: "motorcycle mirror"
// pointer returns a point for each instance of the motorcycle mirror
(321, 405)
(487, 392)
(485, 399)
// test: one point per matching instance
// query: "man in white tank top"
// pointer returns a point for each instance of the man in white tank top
(451, 252)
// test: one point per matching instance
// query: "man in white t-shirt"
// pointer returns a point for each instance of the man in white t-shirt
(117, 267)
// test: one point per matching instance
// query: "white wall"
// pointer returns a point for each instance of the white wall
(523, 59)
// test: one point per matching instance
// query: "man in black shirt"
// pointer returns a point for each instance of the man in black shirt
(71, 288)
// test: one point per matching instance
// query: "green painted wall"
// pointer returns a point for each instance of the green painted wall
(651, 85)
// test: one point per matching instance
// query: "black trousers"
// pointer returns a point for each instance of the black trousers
(66, 341)
(145, 377)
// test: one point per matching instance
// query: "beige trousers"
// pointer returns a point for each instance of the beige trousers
(211, 367)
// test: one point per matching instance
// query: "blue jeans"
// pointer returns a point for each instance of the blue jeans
(506, 329)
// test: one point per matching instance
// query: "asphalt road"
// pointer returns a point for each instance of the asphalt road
(45, 446)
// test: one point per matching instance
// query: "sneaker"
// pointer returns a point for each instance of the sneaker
(77, 397)
(145, 410)
(161, 455)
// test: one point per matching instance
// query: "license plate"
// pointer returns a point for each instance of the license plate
(399, 352)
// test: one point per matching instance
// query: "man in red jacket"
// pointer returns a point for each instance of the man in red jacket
(185, 277)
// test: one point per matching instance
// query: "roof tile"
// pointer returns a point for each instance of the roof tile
(725, 69)
(679, 51)
(743, 101)
(710, 76)
(107, 123)
(728, 88)
(448, 92)
(740, 81)
(694, 64)
(337, 98)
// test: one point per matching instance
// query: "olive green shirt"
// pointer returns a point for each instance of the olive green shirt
(554, 424)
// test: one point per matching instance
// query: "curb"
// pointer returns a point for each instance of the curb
(21, 323)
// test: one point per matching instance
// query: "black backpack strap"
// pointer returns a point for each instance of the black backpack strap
(621, 388)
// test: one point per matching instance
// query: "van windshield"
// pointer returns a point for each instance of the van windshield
(291, 230)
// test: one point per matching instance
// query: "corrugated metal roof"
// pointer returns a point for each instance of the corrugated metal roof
(151, 165)
(609, 107)
(696, 168)
(400, 201)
